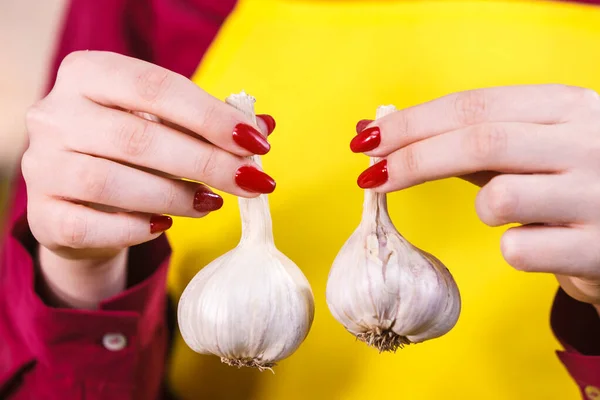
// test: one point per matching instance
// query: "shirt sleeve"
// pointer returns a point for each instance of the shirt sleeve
(577, 327)
(175, 34)
(46, 350)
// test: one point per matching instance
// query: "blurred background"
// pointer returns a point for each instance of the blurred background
(27, 29)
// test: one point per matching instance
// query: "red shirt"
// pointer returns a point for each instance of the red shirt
(119, 351)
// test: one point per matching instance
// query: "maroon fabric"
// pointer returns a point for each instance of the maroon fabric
(577, 326)
(49, 353)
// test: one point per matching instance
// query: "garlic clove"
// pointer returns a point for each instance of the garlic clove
(252, 306)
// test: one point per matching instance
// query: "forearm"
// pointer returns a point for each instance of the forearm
(80, 284)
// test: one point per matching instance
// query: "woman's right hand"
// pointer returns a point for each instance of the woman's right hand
(100, 177)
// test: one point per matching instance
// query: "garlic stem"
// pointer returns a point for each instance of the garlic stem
(375, 215)
(375, 204)
(254, 212)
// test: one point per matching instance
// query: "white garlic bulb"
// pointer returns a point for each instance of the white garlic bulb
(384, 290)
(252, 306)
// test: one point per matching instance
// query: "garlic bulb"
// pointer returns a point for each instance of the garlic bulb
(252, 306)
(384, 290)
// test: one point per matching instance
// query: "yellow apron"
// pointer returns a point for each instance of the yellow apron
(318, 67)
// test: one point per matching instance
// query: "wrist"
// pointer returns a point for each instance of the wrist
(82, 284)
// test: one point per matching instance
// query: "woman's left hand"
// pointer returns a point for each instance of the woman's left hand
(534, 150)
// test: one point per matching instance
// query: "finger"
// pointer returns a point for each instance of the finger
(362, 124)
(528, 199)
(569, 251)
(536, 104)
(62, 224)
(136, 141)
(100, 181)
(502, 147)
(266, 123)
(114, 80)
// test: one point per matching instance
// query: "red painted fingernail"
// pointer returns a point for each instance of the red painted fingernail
(250, 139)
(206, 200)
(160, 223)
(366, 140)
(269, 121)
(254, 180)
(362, 124)
(375, 175)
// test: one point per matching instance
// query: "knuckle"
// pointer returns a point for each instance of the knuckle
(125, 232)
(581, 96)
(29, 166)
(209, 117)
(590, 97)
(404, 123)
(72, 65)
(37, 117)
(73, 230)
(134, 139)
(151, 83)
(37, 218)
(501, 202)
(486, 141)
(411, 160)
(170, 197)
(471, 107)
(206, 163)
(94, 182)
(579, 100)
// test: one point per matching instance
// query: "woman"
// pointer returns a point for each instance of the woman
(94, 327)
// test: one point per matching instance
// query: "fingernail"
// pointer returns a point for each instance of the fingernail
(206, 200)
(366, 140)
(375, 175)
(269, 121)
(362, 124)
(160, 223)
(254, 180)
(250, 139)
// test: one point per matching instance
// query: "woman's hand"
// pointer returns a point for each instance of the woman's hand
(535, 150)
(100, 177)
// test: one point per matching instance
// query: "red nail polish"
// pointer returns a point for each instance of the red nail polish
(250, 139)
(366, 140)
(375, 175)
(160, 223)
(362, 124)
(254, 180)
(269, 121)
(206, 200)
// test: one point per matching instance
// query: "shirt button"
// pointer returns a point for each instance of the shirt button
(592, 392)
(114, 341)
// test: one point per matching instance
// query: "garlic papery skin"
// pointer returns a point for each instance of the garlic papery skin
(385, 291)
(252, 306)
